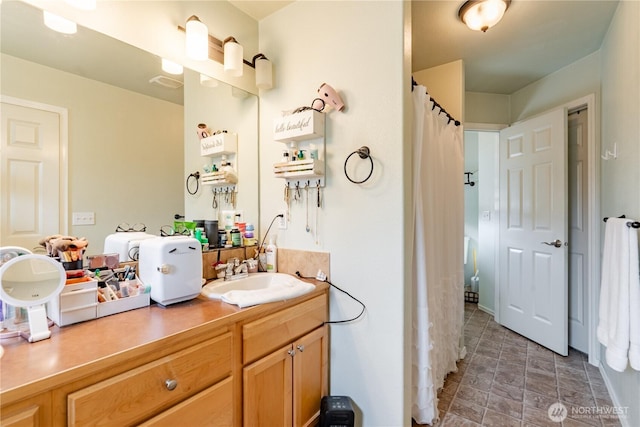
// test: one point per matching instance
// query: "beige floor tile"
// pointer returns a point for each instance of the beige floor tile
(496, 419)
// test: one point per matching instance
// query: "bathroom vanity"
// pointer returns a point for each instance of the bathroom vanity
(200, 362)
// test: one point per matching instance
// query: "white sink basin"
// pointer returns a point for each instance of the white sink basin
(258, 288)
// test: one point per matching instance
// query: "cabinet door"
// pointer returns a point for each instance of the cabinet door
(310, 376)
(267, 390)
(32, 412)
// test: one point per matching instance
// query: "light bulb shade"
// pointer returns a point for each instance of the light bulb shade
(480, 15)
(171, 67)
(59, 24)
(197, 39)
(208, 81)
(264, 73)
(233, 54)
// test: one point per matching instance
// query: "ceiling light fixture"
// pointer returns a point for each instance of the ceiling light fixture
(480, 15)
(59, 24)
(171, 67)
(197, 39)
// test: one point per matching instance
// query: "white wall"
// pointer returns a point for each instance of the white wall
(489, 108)
(125, 159)
(471, 201)
(445, 84)
(488, 202)
(357, 47)
(572, 82)
(620, 190)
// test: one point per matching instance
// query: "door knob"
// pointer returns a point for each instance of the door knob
(557, 243)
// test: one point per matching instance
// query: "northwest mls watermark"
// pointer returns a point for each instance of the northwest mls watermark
(558, 412)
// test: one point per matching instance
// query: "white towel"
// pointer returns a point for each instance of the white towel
(619, 314)
(280, 292)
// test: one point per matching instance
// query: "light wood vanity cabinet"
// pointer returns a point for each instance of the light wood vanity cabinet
(223, 366)
(284, 386)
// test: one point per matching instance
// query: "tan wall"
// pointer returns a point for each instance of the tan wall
(445, 84)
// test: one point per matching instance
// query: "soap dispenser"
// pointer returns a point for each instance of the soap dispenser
(272, 257)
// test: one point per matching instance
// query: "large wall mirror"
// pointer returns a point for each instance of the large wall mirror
(130, 143)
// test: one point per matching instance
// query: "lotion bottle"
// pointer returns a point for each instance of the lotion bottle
(272, 257)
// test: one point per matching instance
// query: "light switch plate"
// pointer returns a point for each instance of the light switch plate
(83, 218)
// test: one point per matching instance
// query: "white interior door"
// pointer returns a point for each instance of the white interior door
(533, 291)
(30, 174)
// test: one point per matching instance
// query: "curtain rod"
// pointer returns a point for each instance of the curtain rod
(435, 104)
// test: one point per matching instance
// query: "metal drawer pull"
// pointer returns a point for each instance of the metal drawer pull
(291, 352)
(557, 243)
(171, 384)
(300, 347)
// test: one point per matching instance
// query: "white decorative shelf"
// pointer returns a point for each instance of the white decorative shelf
(217, 179)
(299, 169)
(307, 124)
(218, 145)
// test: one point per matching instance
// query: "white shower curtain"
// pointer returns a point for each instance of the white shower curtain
(438, 277)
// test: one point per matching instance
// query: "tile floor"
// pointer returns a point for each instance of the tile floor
(507, 380)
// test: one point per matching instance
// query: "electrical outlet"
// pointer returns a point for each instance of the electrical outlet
(83, 218)
(283, 221)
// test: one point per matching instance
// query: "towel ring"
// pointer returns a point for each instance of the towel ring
(364, 153)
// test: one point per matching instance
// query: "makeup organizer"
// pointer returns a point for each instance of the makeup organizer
(302, 163)
(224, 146)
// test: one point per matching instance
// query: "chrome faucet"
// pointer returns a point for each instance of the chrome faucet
(236, 269)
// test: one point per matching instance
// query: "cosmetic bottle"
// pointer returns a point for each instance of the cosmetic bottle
(272, 257)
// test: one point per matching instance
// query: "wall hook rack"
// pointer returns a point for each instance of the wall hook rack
(608, 155)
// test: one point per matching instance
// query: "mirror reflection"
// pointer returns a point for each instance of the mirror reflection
(128, 141)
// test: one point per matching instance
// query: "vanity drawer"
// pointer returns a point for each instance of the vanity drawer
(211, 407)
(143, 392)
(262, 336)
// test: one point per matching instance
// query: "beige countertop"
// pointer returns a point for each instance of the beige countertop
(76, 350)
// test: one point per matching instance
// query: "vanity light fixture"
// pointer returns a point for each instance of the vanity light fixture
(480, 15)
(230, 53)
(197, 39)
(59, 24)
(233, 52)
(171, 67)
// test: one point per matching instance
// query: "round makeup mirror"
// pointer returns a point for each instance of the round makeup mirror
(30, 281)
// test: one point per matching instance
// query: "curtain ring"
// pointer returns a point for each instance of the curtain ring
(364, 153)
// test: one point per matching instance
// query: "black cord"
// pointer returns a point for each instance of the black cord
(265, 236)
(195, 175)
(344, 292)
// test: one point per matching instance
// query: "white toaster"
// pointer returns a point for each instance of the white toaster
(172, 267)
(125, 244)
